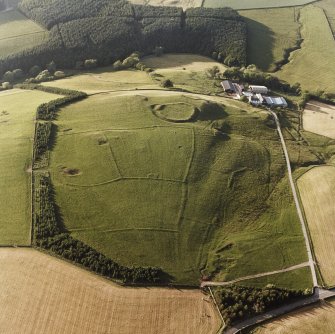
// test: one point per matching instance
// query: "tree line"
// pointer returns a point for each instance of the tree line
(237, 303)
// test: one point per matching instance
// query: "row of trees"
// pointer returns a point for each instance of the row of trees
(79, 32)
(238, 302)
(48, 235)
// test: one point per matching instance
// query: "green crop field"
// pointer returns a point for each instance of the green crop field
(18, 33)
(329, 8)
(314, 64)
(145, 190)
(17, 114)
(270, 33)
(253, 4)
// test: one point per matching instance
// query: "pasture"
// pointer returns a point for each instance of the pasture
(104, 80)
(17, 114)
(255, 4)
(317, 319)
(175, 195)
(18, 33)
(270, 33)
(312, 65)
(317, 191)
(186, 71)
(41, 294)
(319, 118)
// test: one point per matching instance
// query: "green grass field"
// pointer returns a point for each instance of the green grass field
(329, 8)
(146, 191)
(254, 4)
(298, 279)
(18, 33)
(17, 114)
(270, 33)
(314, 64)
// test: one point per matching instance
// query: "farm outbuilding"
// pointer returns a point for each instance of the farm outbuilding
(259, 89)
(228, 86)
(275, 101)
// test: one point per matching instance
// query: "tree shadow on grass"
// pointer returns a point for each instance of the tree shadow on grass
(260, 45)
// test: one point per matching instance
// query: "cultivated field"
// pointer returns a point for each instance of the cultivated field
(17, 114)
(41, 294)
(248, 4)
(270, 33)
(182, 181)
(103, 81)
(329, 8)
(319, 118)
(17, 33)
(312, 320)
(317, 191)
(313, 65)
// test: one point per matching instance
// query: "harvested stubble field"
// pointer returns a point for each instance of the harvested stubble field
(125, 154)
(270, 33)
(319, 118)
(18, 33)
(17, 114)
(317, 191)
(318, 319)
(41, 294)
(313, 66)
(255, 4)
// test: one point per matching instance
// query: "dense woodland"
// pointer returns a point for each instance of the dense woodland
(111, 29)
(238, 302)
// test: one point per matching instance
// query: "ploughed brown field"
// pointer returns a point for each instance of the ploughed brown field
(41, 294)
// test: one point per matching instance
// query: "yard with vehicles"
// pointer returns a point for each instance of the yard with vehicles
(17, 115)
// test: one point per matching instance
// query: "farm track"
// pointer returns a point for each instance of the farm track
(298, 266)
(297, 202)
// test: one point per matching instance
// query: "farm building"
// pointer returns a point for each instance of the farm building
(258, 89)
(228, 86)
(255, 100)
(275, 101)
(238, 90)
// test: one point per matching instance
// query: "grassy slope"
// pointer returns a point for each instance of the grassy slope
(270, 33)
(313, 65)
(16, 134)
(299, 279)
(328, 6)
(202, 203)
(247, 4)
(17, 33)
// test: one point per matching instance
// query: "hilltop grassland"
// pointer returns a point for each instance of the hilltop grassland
(17, 114)
(317, 319)
(255, 4)
(317, 192)
(271, 32)
(192, 212)
(41, 294)
(18, 33)
(312, 65)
